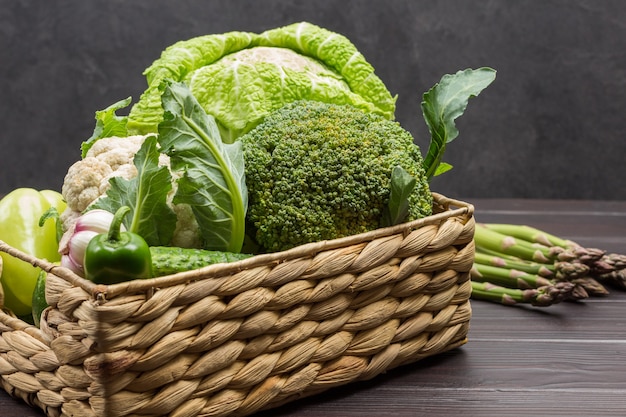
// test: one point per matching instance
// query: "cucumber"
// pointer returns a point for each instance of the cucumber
(171, 260)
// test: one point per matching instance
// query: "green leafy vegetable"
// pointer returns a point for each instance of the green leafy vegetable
(213, 180)
(53, 213)
(443, 104)
(146, 195)
(318, 171)
(209, 176)
(240, 77)
(402, 186)
(108, 123)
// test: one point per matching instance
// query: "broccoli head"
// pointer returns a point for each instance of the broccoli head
(318, 171)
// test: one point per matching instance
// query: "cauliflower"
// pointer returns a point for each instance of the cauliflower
(88, 179)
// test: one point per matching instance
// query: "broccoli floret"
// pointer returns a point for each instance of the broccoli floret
(318, 171)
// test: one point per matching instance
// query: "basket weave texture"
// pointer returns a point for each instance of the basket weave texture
(233, 339)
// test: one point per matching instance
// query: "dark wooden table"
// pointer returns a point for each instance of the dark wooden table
(565, 360)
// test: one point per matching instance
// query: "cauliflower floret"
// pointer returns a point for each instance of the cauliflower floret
(187, 232)
(116, 151)
(88, 179)
(84, 183)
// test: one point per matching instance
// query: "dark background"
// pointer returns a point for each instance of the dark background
(551, 126)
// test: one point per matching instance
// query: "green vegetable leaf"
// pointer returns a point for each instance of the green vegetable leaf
(402, 185)
(443, 104)
(53, 213)
(443, 167)
(108, 124)
(212, 181)
(146, 195)
(241, 77)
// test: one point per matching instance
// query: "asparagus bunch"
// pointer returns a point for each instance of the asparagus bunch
(522, 264)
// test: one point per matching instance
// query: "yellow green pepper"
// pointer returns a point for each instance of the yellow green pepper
(20, 212)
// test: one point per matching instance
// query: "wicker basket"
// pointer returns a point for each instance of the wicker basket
(233, 339)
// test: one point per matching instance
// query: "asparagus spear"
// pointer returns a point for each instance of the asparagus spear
(506, 244)
(511, 278)
(522, 264)
(608, 263)
(514, 256)
(569, 260)
(539, 297)
(615, 278)
(559, 248)
(591, 286)
(506, 277)
(531, 234)
(570, 270)
(491, 239)
(491, 258)
(538, 260)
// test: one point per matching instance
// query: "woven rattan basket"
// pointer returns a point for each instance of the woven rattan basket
(233, 339)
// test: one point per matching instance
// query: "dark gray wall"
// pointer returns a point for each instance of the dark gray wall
(551, 126)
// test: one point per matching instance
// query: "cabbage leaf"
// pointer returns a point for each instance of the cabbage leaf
(240, 77)
(209, 176)
(108, 123)
(212, 180)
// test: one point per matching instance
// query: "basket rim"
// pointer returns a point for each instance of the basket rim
(100, 291)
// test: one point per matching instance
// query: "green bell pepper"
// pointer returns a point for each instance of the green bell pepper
(20, 212)
(117, 256)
